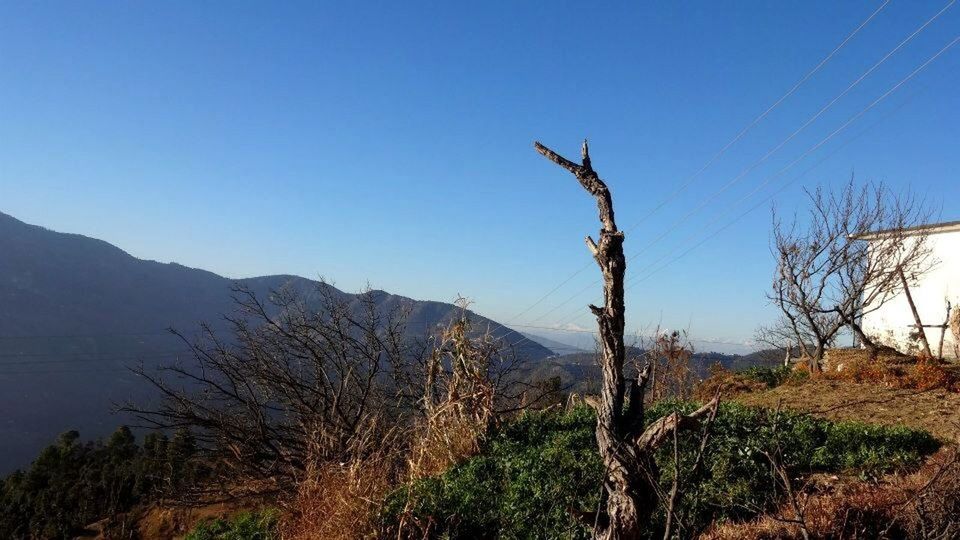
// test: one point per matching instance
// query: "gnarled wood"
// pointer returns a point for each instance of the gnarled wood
(658, 431)
(625, 447)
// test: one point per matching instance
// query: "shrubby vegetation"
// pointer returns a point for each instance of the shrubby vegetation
(753, 379)
(772, 376)
(260, 525)
(73, 484)
(531, 471)
(350, 432)
(538, 472)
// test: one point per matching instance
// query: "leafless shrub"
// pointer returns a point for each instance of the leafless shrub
(828, 276)
(796, 499)
(293, 384)
(299, 386)
(922, 505)
(671, 372)
(460, 399)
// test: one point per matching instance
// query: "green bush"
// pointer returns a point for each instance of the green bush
(736, 480)
(531, 473)
(244, 526)
(539, 469)
(772, 376)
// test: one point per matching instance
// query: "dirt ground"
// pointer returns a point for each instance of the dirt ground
(937, 411)
(172, 521)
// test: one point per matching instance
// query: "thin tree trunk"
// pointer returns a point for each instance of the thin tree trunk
(943, 332)
(816, 358)
(916, 316)
(859, 333)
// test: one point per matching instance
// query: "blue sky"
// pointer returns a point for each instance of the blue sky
(391, 143)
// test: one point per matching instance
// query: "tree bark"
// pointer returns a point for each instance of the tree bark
(626, 449)
(943, 332)
(916, 316)
(858, 332)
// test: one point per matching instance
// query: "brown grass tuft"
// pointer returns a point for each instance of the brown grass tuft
(890, 370)
(729, 383)
(925, 504)
(340, 500)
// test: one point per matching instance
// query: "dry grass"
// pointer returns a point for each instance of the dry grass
(890, 390)
(339, 500)
(924, 504)
(728, 383)
(159, 521)
(937, 411)
(889, 368)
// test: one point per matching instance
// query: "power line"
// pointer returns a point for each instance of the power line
(769, 153)
(99, 335)
(761, 116)
(766, 156)
(814, 148)
(63, 359)
(719, 153)
(594, 332)
(73, 358)
(637, 278)
(550, 292)
(796, 132)
(58, 357)
(60, 371)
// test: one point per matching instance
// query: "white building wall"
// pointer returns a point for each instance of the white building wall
(893, 322)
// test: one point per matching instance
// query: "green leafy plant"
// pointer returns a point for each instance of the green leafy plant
(532, 474)
(772, 376)
(541, 470)
(260, 525)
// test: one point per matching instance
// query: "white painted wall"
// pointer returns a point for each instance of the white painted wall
(892, 323)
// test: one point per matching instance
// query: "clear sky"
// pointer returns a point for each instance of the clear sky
(391, 142)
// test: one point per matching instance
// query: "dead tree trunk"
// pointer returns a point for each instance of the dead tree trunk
(624, 445)
(922, 334)
(943, 331)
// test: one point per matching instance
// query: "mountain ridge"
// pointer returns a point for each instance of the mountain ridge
(76, 311)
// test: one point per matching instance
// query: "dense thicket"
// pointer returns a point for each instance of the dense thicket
(72, 484)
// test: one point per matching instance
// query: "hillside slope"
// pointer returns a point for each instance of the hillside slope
(76, 313)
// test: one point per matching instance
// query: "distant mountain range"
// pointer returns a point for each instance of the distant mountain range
(580, 373)
(76, 312)
(554, 345)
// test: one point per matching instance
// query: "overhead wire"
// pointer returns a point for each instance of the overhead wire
(767, 155)
(643, 276)
(719, 153)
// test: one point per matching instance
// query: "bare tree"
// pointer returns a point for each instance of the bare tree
(295, 383)
(670, 354)
(625, 447)
(844, 262)
(289, 380)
